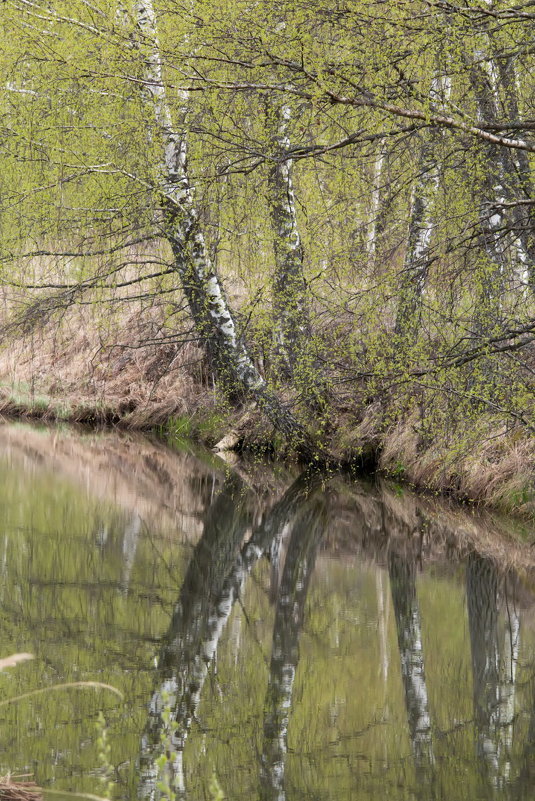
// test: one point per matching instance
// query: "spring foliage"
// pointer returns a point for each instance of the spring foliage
(359, 174)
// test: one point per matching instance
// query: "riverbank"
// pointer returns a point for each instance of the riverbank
(133, 374)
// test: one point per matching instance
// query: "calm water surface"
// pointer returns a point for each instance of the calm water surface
(276, 636)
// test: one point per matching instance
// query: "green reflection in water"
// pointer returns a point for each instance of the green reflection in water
(88, 589)
(314, 642)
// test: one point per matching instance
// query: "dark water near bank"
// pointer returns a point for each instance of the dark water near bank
(275, 636)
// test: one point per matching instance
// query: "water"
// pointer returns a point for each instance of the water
(276, 636)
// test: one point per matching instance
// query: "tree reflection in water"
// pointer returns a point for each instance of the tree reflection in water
(215, 579)
(307, 532)
(402, 572)
(90, 581)
(213, 582)
(494, 667)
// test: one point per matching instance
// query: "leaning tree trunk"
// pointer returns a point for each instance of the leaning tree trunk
(214, 581)
(200, 283)
(210, 587)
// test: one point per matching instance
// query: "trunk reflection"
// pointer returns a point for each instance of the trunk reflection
(213, 582)
(305, 538)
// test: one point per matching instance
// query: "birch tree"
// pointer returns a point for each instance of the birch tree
(374, 224)
(214, 581)
(421, 222)
(199, 280)
(519, 176)
(210, 588)
(494, 670)
(291, 318)
(124, 131)
(493, 220)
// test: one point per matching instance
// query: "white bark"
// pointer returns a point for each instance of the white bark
(482, 601)
(507, 228)
(421, 223)
(382, 620)
(508, 686)
(292, 325)
(209, 308)
(300, 558)
(493, 220)
(198, 623)
(212, 583)
(375, 209)
(517, 171)
(200, 282)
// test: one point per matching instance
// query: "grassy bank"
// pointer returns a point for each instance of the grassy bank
(132, 373)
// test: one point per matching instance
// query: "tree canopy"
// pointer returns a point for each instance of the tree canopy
(341, 194)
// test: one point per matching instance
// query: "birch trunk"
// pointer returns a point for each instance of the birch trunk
(493, 679)
(199, 280)
(421, 224)
(481, 591)
(382, 620)
(416, 262)
(210, 587)
(506, 228)
(202, 288)
(508, 685)
(291, 318)
(374, 225)
(518, 173)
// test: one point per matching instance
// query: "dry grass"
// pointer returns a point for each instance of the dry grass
(136, 363)
(14, 788)
(127, 371)
(490, 464)
(117, 348)
(125, 368)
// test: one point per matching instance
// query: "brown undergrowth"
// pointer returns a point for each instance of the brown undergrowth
(126, 369)
(19, 788)
(487, 461)
(138, 366)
